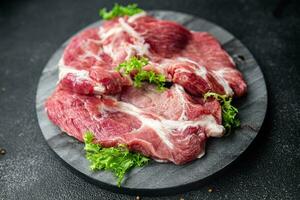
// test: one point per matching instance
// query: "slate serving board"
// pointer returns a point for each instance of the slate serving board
(158, 178)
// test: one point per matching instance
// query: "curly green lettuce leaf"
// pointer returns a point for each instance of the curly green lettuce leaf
(119, 11)
(151, 77)
(229, 112)
(118, 160)
(135, 65)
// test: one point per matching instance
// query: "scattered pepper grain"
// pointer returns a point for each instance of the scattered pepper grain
(2, 151)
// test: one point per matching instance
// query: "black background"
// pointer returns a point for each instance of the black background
(30, 31)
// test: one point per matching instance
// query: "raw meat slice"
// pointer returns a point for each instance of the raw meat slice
(168, 126)
(143, 127)
(194, 60)
(173, 104)
(85, 65)
(206, 51)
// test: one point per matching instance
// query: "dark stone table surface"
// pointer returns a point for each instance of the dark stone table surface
(31, 31)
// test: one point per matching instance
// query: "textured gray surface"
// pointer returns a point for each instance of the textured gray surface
(156, 178)
(32, 30)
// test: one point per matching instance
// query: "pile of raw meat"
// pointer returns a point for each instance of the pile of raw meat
(172, 125)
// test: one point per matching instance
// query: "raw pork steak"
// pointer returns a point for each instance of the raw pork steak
(168, 126)
(194, 60)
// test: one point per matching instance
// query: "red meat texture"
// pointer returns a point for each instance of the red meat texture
(168, 126)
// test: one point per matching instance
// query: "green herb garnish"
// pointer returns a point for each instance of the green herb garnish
(116, 159)
(136, 65)
(229, 112)
(119, 11)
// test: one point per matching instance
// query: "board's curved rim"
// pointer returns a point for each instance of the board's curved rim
(167, 190)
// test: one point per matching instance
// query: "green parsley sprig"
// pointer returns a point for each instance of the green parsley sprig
(229, 112)
(135, 65)
(116, 159)
(119, 11)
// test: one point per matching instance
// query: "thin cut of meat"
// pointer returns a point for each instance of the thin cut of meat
(194, 60)
(172, 104)
(86, 69)
(172, 125)
(207, 52)
(177, 135)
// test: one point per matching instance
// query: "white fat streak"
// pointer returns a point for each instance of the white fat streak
(231, 60)
(219, 75)
(108, 49)
(127, 28)
(136, 16)
(179, 90)
(164, 127)
(64, 70)
(99, 89)
(80, 75)
(117, 28)
(200, 70)
(183, 70)
(148, 122)
(140, 49)
(161, 161)
(90, 54)
(201, 154)
(139, 46)
(106, 34)
(207, 121)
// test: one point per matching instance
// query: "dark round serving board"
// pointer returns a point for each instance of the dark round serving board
(158, 178)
